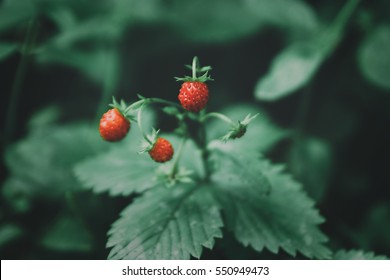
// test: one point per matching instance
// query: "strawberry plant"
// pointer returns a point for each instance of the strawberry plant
(183, 205)
(277, 152)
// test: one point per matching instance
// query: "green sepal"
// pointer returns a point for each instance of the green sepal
(148, 144)
(123, 109)
(196, 69)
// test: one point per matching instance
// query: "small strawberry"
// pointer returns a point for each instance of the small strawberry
(162, 150)
(194, 96)
(114, 126)
(194, 93)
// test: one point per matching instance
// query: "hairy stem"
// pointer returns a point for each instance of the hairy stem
(195, 63)
(139, 121)
(220, 116)
(202, 143)
(177, 159)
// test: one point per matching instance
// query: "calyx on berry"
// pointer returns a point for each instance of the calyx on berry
(196, 70)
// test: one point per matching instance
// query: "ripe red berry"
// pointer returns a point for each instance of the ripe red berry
(162, 150)
(113, 126)
(193, 96)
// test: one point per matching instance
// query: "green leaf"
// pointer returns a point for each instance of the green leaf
(123, 171)
(67, 234)
(7, 49)
(46, 157)
(9, 233)
(166, 223)
(310, 161)
(285, 218)
(296, 65)
(119, 172)
(261, 133)
(374, 57)
(220, 20)
(239, 171)
(14, 12)
(96, 64)
(357, 255)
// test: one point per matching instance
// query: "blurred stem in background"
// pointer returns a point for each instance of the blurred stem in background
(110, 81)
(336, 28)
(26, 49)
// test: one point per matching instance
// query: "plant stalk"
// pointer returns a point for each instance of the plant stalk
(21, 70)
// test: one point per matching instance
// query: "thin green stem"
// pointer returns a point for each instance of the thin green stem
(139, 121)
(202, 143)
(110, 82)
(20, 75)
(195, 63)
(177, 159)
(219, 116)
(163, 101)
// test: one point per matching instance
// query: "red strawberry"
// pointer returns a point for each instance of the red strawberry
(194, 93)
(113, 125)
(193, 96)
(162, 150)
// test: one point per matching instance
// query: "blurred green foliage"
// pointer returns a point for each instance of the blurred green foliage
(317, 70)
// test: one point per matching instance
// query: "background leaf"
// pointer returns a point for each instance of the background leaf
(46, 157)
(374, 57)
(166, 224)
(67, 234)
(296, 65)
(6, 49)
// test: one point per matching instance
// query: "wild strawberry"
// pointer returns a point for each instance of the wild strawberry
(194, 96)
(113, 125)
(161, 151)
(194, 93)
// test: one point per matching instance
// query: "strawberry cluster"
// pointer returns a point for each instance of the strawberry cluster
(193, 97)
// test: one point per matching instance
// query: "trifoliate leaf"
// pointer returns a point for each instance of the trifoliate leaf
(357, 255)
(284, 218)
(46, 157)
(67, 234)
(7, 49)
(295, 66)
(261, 133)
(374, 57)
(166, 223)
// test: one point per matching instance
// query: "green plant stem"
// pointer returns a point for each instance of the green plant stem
(110, 82)
(202, 142)
(20, 75)
(195, 63)
(219, 116)
(139, 121)
(152, 100)
(177, 159)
